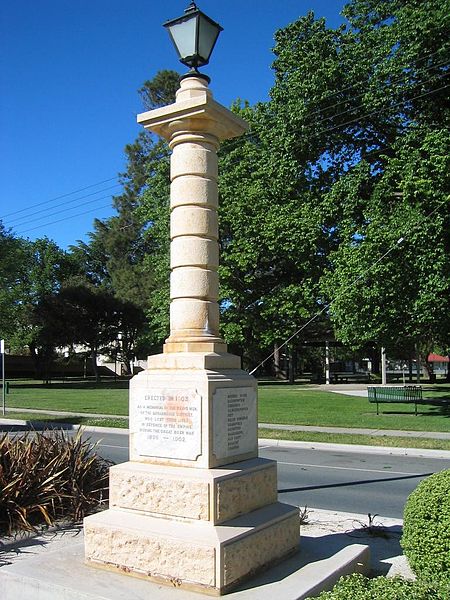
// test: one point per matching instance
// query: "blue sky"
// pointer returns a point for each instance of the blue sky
(69, 74)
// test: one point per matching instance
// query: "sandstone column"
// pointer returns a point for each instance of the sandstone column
(195, 506)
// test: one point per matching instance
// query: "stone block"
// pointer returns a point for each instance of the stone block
(194, 555)
(192, 189)
(178, 417)
(215, 495)
(200, 316)
(194, 282)
(194, 220)
(194, 252)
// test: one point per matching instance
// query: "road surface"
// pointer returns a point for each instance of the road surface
(329, 479)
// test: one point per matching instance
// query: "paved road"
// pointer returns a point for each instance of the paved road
(334, 480)
(348, 481)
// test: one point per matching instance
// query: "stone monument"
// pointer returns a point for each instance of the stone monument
(194, 507)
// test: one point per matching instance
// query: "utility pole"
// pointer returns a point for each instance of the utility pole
(327, 363)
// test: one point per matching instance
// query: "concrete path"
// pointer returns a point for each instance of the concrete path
(43, 565)
(436, 435)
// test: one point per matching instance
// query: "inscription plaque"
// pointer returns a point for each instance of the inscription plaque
(235, 427)
(167, 423)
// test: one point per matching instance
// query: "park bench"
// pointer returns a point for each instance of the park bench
(407, 394)
(349, 376)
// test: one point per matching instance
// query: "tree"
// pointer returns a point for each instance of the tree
(399, 191)
(304, 195)
(119, 256)
(78, 315)
(12, 252)
(35, 269)
(403, 300)
(352, 113)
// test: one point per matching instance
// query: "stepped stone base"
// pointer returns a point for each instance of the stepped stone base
(191, 554)
(215, 495)
(194, 507)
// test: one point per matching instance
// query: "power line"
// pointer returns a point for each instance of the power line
(362, 94)
(59, 197)
(303, 128)
(375, 112)
(364, 81)
(238, 141)
(63, 204)
(58, 212)
(394, 81)
(350, 285)
(61, 220)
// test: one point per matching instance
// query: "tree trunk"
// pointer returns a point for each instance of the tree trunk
(291, 366)
(375, 358)
(36, 361)
(276, 362)
(94, 365)
(410, 369)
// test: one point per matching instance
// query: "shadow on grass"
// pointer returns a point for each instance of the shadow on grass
(438, 408)
(120, 384)
(40, 425)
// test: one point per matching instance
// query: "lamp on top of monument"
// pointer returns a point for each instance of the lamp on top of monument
(194, 35)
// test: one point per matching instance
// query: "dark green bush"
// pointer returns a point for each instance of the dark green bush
(358, 587)
(46, 477)
(426, 529)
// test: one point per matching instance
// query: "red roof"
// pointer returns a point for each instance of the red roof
(438, 358)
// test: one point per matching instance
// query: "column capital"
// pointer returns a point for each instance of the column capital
(194, 111)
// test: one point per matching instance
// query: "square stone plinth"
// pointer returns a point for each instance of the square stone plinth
(192, 554)
(215, 495)
(182, 414)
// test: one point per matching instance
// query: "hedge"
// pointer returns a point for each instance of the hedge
(358, 587)
(426, 529)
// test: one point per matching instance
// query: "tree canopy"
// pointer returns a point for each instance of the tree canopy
(334, 207)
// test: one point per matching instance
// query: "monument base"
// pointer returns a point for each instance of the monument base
(197, 555)
(194, 507)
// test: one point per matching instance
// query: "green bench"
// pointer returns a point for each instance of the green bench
(407, 394)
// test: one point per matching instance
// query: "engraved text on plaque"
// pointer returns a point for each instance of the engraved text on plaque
(235, 427)
(167, 423)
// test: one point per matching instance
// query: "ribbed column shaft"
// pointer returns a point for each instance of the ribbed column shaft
(194, 250)
(194, 126)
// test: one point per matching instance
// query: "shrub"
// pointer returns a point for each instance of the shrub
(48, 476)
(358, 587)
(426, 528)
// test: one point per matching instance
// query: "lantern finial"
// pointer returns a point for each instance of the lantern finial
(194, 35)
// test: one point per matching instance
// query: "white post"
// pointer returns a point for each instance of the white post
(2, 352)
(383, 366)
(327, 363)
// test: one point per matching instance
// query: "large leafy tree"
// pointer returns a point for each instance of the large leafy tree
(76, 315)
(12, 270)
(389, 277)
(120, 255)
(29, 271)
(42, 270)
(347, 157)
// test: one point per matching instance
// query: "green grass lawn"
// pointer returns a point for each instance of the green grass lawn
(353, 438)
(277, 404)
(109, 398)
(294, 405)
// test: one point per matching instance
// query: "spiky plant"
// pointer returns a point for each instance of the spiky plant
(49, 476)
